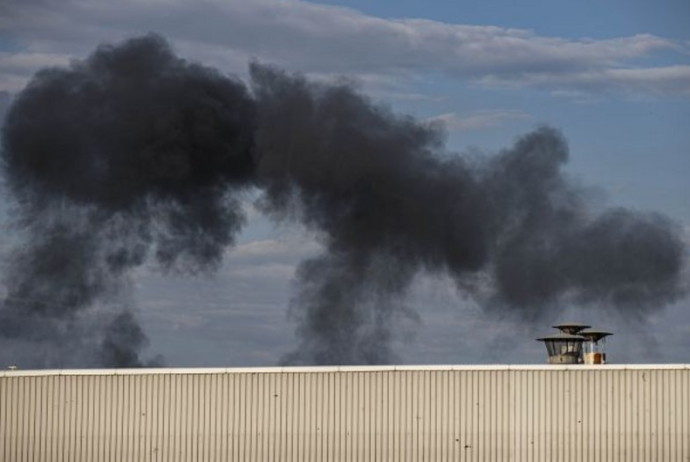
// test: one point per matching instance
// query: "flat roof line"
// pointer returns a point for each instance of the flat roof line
(321, 369)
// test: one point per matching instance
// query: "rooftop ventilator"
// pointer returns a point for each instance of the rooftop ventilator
(576, 344)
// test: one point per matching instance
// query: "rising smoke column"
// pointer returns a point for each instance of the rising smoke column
(130, 155)
(372, 182)
(136, 155)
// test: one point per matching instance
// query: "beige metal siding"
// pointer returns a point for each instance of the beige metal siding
(411, 414)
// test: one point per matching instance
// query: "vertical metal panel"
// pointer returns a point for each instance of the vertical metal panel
(347, 414)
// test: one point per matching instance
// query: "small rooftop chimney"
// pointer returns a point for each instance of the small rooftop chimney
(576, 344)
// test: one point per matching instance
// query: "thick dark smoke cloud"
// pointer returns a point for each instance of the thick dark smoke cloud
(135, 155)
(512, 230)
(131, 155)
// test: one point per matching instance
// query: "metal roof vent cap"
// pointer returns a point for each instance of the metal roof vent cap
(564, 348)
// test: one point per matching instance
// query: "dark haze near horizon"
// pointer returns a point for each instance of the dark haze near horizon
(135, 155)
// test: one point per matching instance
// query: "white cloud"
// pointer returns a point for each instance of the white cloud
(333, 40)
(285, 250)
(16, 67)
(660, 81)
(480, 120)
(268, 272)
(22, 62)
(289, 246)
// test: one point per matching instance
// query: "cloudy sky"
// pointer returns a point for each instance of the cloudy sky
(613, 76)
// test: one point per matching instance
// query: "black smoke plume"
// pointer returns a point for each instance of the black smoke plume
(130, 155)
(136, 155)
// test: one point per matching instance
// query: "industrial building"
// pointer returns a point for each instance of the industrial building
(388, 413)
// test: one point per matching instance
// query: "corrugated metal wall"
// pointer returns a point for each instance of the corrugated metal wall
(345, 414)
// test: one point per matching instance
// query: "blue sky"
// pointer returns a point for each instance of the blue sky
(614, 76)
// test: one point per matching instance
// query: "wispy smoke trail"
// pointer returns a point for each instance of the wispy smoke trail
(135, 154)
